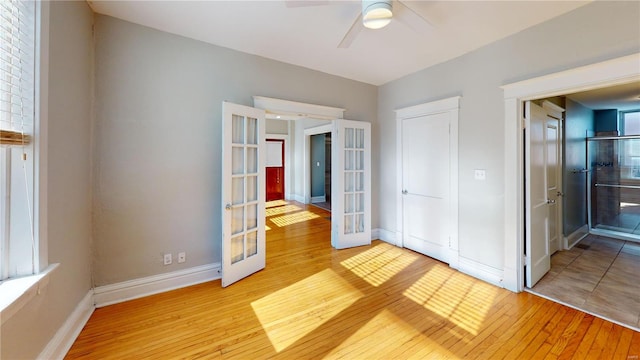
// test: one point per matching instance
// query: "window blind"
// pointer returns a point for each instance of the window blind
(17, 124)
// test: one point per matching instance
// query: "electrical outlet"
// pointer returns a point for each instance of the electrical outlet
(182, 257)
(167, 259)
(480, 174)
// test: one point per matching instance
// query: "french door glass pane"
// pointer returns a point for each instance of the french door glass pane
(359, 181)
(237, 130)
(348, 224)
(359, 160)
(252, 131)
(252, 216)
(348, 203)
(237, 160)
(359, 223)
(252, 243)
(360, 138)
(348, 159)
(237, 249)
(348, 138)
(348, 182)
(252, 160)
(237, 185)
(252, 188)
(237, 220)
(359, 202)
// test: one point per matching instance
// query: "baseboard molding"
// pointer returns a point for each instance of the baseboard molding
(576, 236)
(298, 198)
(134, 289)
(384, 235)
(61, 342)
(317, 199)
(480, 271)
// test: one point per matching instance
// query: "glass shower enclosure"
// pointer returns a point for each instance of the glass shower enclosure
(614, 186)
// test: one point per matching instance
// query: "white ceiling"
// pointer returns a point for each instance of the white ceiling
(308, 35)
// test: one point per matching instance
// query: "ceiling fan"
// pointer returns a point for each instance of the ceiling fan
(375, 14)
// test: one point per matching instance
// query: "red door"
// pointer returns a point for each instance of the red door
(275, 169)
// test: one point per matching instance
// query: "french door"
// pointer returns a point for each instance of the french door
(243, 192)
(351, 179)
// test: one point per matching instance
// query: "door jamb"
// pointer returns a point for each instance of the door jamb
(607, 73)
(287, 162)
(322, 129)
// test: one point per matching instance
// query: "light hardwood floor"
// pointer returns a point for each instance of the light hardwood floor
(378, 301)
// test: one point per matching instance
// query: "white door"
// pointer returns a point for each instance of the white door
(243, 192)
(351, 183)
(426, 183)
(538, 260)
(554, 183)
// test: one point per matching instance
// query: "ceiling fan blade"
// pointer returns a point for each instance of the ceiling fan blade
(305, 3)
(353, 32)
(411, 18)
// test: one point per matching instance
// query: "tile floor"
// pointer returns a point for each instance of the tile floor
(600, 275)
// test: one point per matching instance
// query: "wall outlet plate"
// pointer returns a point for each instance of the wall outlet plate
(167, 259)
(182, 257)
(480, 174)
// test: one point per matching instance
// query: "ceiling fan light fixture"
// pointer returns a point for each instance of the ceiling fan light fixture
(376, 14)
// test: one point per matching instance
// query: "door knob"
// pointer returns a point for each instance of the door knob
(405, 192)
(560, 193)
(551, 201)
(228, 207)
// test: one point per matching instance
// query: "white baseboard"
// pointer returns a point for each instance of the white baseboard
(298, 198)
(576, 236)
(317, 199)
(134, 289)
(384, 235)
(61, 342)
(480, 271)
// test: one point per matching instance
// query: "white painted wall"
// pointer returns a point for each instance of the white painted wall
(67, 225)
(157, 161)
(592, 33)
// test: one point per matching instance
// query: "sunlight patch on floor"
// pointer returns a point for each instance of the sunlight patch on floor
(390, 332)
(294, 218)
(453, 296)
(274, 203)
(295, 311)
(379, 264)
(279, 210)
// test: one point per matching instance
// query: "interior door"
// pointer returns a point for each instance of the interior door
(274, 169)
(538, 259)
(243, 192)
(426, 184)
(351, 182)
(553, 182)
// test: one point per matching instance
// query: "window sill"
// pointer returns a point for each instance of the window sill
(16, 293)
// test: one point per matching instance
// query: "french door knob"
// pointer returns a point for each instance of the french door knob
(228, 207)
(405, 192)
(551, 201)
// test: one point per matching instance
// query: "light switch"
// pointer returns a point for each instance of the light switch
(318, 163)
(480, 174)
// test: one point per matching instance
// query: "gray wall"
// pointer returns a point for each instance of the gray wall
(68, 183)
(579, 120)
(317, 165)
(593, 33)
(158, 152)
(277, 127)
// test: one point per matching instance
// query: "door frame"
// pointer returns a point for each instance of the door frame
(603, 74)
(287, 162)
(451, 104)
(316, 130)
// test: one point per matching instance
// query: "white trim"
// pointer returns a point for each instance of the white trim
(318, 199)
(297, 109)
(612, 72)
(480, 271)
(298, 198)
(573, 238)
(451, 105)
(385, 235)
(614, 234)
(306, 182)
(287, 162)
(134, 289)
(64, 338)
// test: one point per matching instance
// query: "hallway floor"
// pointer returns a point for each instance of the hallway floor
(599, 275)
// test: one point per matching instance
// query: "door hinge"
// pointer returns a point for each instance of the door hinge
(525, 260)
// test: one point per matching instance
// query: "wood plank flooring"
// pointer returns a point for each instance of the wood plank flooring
(373, 302)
